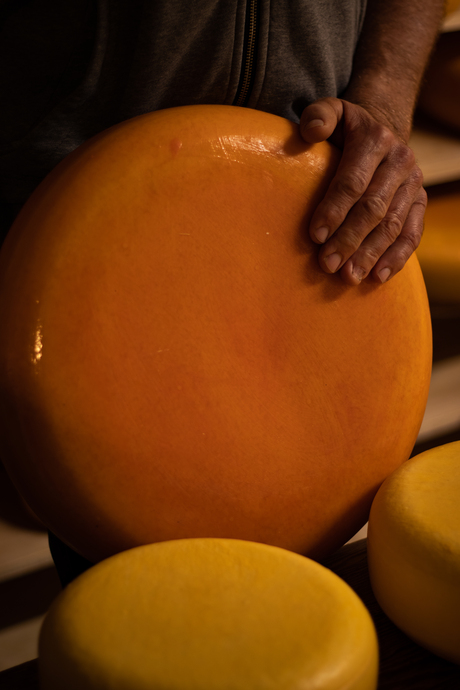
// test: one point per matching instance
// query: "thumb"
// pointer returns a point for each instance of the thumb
(319, 120)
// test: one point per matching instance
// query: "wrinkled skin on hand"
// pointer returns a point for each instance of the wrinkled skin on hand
(371, 218)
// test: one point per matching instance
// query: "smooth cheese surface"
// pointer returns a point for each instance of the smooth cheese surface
(207, 613)
(173, 361)
(414, 549)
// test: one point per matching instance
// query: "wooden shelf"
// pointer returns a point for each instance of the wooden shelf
(452, 22)
(437, 153)
(442, 414)
(23, 540)
(22, 551)
(436, 149)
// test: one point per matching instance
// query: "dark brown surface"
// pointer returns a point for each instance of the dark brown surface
(27, 597)
(23, 677)
(446, 331)
(404, 665)
(446, 344)
(12, 507)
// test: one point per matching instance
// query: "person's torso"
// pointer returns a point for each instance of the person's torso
(70, 70)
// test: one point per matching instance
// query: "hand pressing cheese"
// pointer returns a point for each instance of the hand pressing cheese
(174, 363)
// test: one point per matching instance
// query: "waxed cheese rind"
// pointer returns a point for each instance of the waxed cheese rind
(208, 613)
(414, 549)
(165, 330)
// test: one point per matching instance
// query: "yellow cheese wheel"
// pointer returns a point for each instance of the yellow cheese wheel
(208, 614)
(439, 250)
(414, 549)
(175, 364)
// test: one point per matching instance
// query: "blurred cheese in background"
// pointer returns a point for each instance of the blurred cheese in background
(439, 250)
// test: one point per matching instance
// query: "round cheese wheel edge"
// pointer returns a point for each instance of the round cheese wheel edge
(174, 362)
(414, 549)
(207, 613)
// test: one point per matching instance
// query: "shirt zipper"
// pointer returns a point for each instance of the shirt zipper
(249, 55)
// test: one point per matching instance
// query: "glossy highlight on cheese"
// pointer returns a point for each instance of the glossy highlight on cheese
(414, 549)
(208, 613)
(175, 364)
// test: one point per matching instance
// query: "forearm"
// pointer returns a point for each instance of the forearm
(391, 57)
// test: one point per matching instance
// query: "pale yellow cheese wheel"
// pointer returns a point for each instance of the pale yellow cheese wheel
(414, 549)
(208, 614)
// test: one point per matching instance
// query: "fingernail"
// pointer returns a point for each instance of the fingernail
(333, 261)
(321, 234)
(384, 274)
(314, 123)
(358, 273)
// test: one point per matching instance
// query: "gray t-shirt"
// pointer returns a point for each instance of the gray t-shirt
(71, 69)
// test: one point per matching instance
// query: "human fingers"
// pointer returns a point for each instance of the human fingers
(376, 220)
(366, 145)
(319, 120)
(372, 194)
(386, 249)
(398, 253)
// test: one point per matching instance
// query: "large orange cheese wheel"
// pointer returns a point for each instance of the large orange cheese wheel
(173, 361)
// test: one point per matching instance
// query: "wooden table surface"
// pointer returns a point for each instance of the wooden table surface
(404, 665)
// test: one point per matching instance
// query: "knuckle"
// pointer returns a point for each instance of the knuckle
(422, 196)
(409, 241)
(391, 227)
(416, 177)
(370, 255)
(382, 135)
(406, 156)
(374, 207)
(353, 184)
(333, 214)
(411, 193)
(349, 241)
